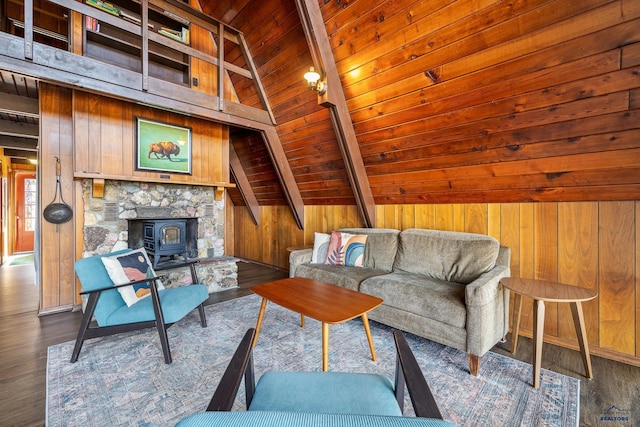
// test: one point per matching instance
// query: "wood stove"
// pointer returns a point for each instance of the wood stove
(165, 237)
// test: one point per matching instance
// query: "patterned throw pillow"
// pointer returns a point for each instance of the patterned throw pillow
(320, 247)
(130, 267)
(346, 249)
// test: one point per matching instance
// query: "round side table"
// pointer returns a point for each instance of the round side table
(542, 291)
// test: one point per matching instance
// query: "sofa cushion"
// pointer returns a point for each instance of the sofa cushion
(320, 247)
(347, 277)
(445, 255)
(346, 249)
(414, 293)
(380, 250)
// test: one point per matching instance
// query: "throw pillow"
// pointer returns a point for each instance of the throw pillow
(346, 249)
(320, 247)
(130, 267)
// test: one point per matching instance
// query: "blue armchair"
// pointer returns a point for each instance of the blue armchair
(160, 309)
(299, 399)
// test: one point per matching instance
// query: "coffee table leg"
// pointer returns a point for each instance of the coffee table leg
(538, 332)
(365, 322)
(259, 323)
(517, 310)
(578, 321)
(302, 320)
(325, 347)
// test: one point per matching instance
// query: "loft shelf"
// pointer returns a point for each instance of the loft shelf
(110, 39)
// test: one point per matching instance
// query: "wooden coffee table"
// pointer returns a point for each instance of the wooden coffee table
(541, 291)
(329, 304)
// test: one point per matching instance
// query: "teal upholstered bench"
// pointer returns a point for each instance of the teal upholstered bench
(105, 303)
(299, 419)
(320, 398)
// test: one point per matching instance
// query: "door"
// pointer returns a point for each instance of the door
(26, 209)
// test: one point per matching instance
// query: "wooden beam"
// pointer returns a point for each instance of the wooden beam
(21, 154)
(244, 186)
(28, 29)
(144, 28)
(18, 143)
(334, 99)
(256, 78)
(283, 170)
(221, 72)
(97, 188)
(19, 105)
(22, 130)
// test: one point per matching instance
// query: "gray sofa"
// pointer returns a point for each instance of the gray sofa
(440, 285)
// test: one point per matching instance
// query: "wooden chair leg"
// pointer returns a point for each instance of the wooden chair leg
(474, 364)
(84, 325)
(203, 316)
(164, 341)
(160, 325)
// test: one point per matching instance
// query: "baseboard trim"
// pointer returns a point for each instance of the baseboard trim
(55, 310)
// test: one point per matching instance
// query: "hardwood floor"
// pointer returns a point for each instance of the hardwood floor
(25, 337)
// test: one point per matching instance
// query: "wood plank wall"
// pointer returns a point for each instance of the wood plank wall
(57, 278)
(591, 244)
(490, 102)
(105, 135)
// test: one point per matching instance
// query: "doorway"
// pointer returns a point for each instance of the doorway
(26, 196)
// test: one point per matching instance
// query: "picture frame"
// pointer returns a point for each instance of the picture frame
(162, 147)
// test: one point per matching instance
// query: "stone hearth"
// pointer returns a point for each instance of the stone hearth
(106, 222)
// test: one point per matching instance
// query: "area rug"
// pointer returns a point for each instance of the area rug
(123, 381)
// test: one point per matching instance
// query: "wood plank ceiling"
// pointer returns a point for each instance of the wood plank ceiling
(19, 117)
(453, 101)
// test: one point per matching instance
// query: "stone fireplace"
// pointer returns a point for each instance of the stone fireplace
(126, 205)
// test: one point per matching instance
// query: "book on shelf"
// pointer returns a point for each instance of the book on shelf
(91, 23)
(132, 18)
(181, 35)
(103, 5)
(185, 35)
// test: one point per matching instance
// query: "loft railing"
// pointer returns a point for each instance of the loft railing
(174, 9)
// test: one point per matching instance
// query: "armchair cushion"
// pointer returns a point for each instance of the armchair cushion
(299, 419)
(93, 275)
(176, 303)
(351, 393)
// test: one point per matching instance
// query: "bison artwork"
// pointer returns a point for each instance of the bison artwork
(164, 149)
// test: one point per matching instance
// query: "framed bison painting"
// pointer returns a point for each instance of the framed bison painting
(162, 147)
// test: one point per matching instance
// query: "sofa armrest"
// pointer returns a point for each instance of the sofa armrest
(488, 307)
(298, 257)
(484, 289)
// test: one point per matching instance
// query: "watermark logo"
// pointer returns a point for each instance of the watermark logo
(613, 413)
